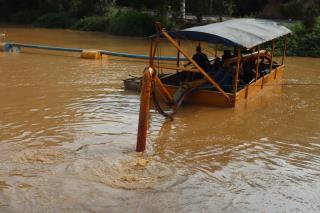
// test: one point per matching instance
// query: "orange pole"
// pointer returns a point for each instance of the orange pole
(284, 48)
(178, 56)
(155, 48)
(258, 63)
(216, 51)
(144, 110)
(151, 54)
(177, 68)
(272, 53)
(163, 90)
(236, 78)
(172, 41)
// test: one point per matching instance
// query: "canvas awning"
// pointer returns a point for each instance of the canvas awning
(242, 32)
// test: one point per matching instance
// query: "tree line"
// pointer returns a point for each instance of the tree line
(25, 12)
(137, 17)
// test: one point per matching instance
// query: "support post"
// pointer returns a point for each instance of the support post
(151, 54)
(183, 9)
(163, 90)
(144, 110)
(272, 53)
(178, 56)
(284, 48)
(216, 51)
(258, 63)
(236, 77)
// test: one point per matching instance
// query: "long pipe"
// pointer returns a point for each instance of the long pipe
(144, 109)
(44, 47)
(104, 52)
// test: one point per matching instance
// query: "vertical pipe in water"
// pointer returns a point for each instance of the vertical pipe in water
(144, 110)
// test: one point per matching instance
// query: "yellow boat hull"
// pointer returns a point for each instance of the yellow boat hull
(216, 99)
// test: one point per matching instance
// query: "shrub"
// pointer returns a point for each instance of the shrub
(292, 9)
(131, 23)
(310, 15)
(305, 41)
(24, 16)
(91, 24)
(134, 23)
(54, 20)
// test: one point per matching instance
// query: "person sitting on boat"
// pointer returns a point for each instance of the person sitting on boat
(226, 55)
(216, 63)
(200, 58)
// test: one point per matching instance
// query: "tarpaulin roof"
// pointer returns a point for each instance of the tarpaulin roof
(242, 32)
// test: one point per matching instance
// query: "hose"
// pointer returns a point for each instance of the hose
(176, 105)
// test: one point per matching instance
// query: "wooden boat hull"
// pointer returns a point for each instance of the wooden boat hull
(216, 99)
(133, 83)
(261, 84)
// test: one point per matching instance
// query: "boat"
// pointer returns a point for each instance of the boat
(224, 82)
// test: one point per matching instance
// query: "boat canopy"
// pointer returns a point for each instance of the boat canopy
(243, 32)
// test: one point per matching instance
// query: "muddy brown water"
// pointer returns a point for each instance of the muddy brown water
(68, 132)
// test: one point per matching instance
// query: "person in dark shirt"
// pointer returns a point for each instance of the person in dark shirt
(200, 58)
(226, 55)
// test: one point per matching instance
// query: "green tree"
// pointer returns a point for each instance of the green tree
(82, 8)
(212, 7)
(248, 7)
(223, 7)
(309, 18)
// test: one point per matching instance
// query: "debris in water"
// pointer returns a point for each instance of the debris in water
(47, 156)
(2, 204)
(24, 186)
(4, 185)
(82, 147)
(133, 173)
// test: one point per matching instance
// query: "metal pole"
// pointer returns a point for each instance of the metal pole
(145, 102)
(216, 51)
(272, 53)
(163, 90)
(236, 79)
(178, 56)
(151, 55)
(284, 48)
(144, 110)
(183, 9)
(258, 63)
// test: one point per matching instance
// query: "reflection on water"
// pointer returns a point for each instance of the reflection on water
(68, 131)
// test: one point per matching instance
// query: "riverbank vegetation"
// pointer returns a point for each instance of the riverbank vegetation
(136, 18)
(305, 40)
